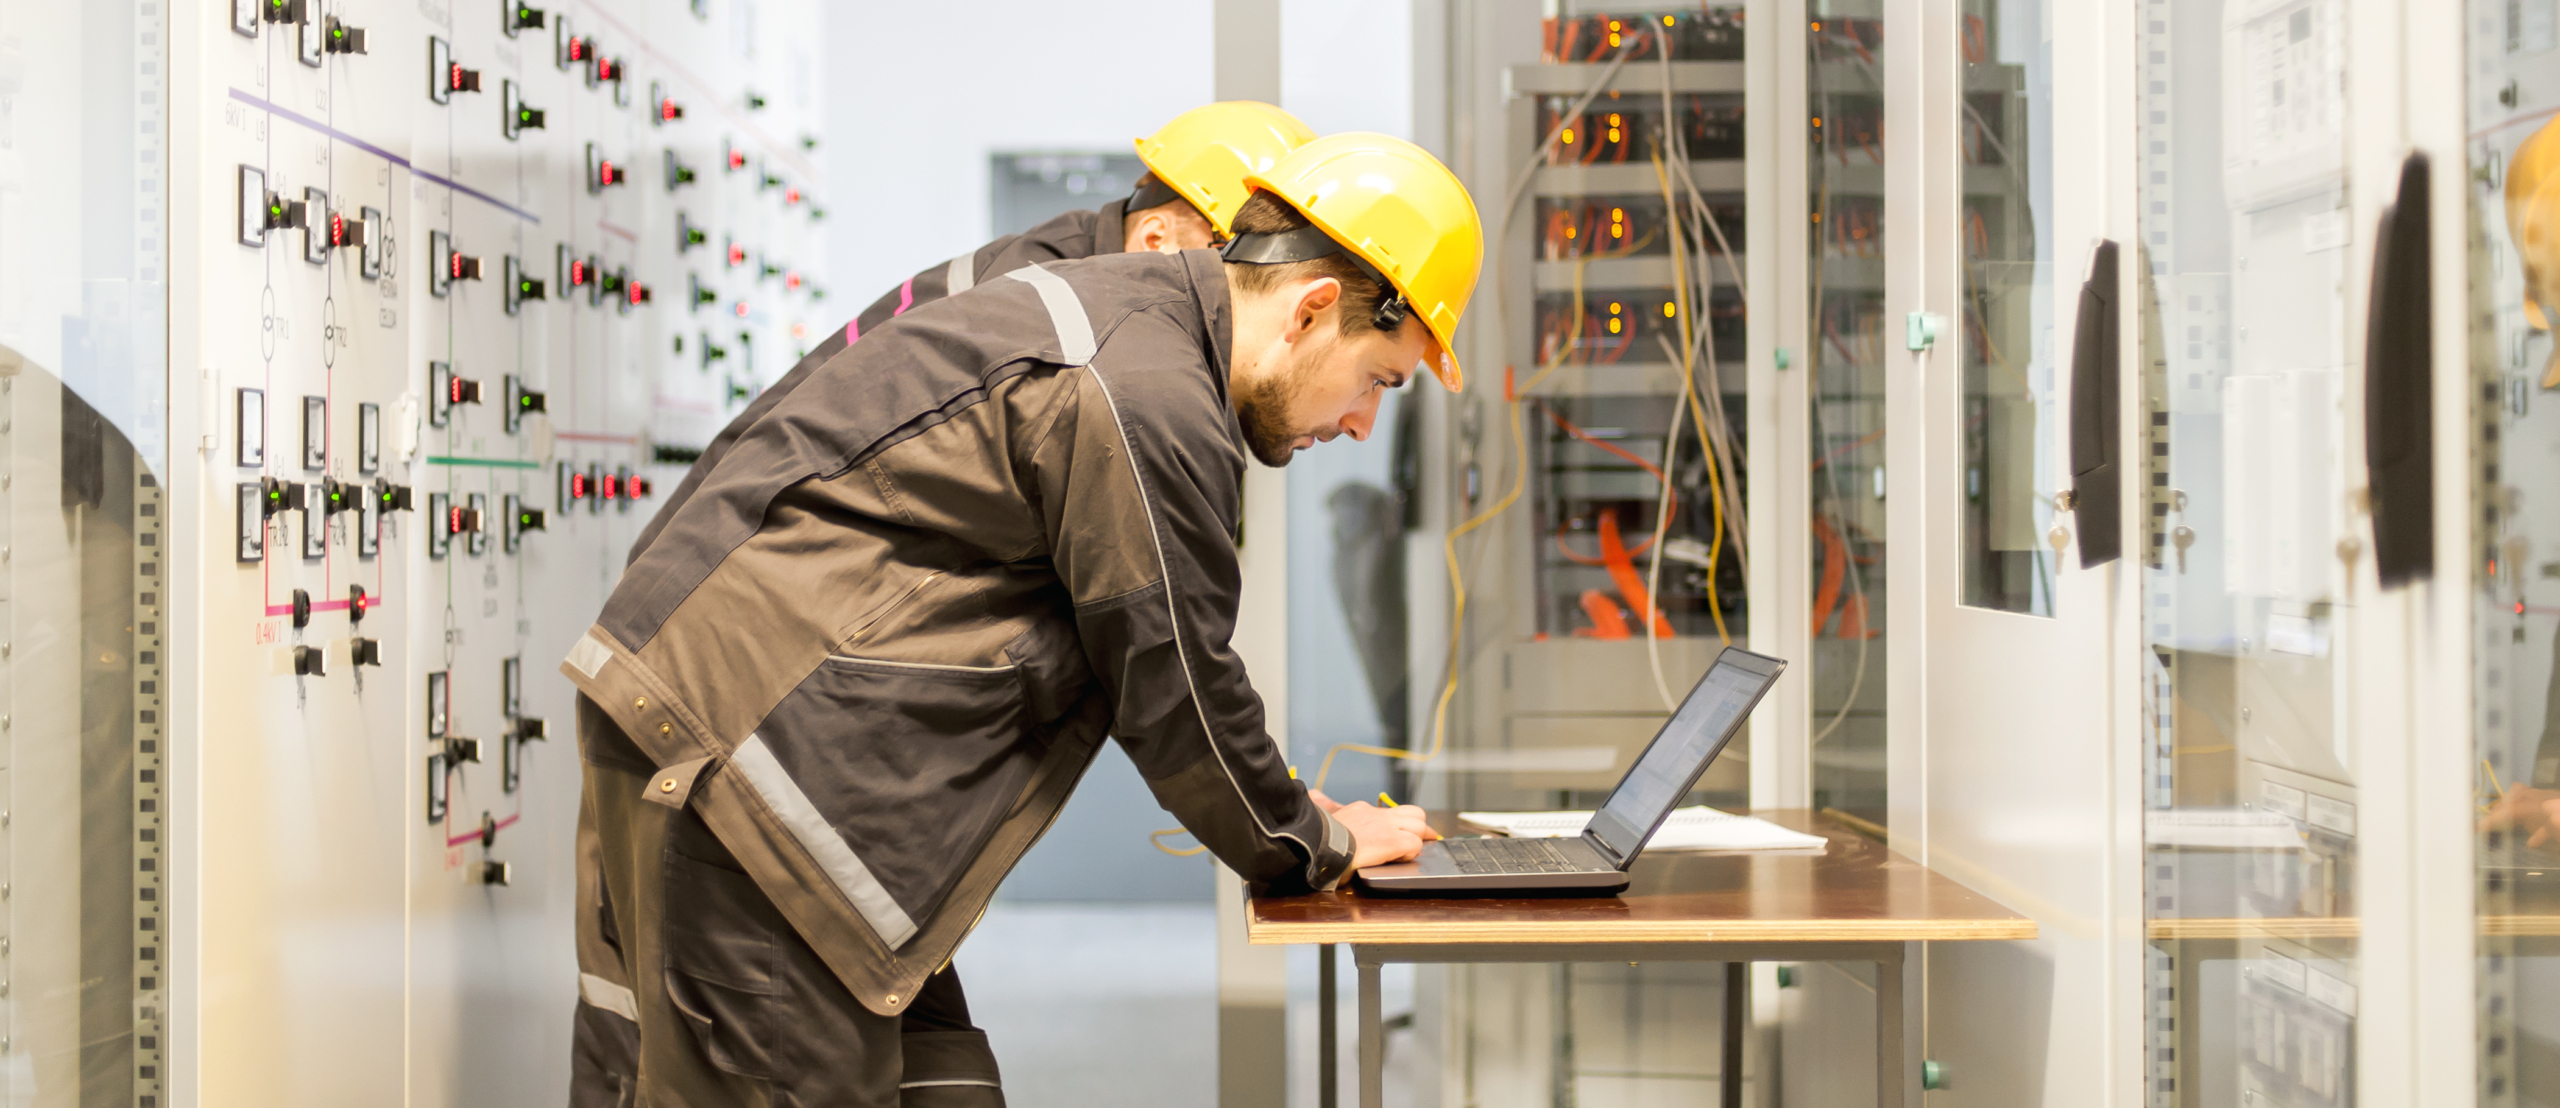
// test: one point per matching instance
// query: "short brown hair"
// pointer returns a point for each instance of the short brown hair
(1265, 214)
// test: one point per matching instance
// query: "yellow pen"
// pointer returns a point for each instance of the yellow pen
(1389, 801)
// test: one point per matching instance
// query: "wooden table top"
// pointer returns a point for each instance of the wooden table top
(1858, 891)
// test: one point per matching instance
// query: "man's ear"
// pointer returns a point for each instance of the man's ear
(1313, 299)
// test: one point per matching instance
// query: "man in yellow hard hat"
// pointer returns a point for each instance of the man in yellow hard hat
(1194, 182)
(859, 671)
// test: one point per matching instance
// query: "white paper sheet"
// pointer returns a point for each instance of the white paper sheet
(1695, 828)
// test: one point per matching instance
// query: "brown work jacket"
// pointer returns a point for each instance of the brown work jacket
(1076, 234)
(877, 647)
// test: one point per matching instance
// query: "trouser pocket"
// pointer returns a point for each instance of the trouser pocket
(948, 1069)
(718, 941)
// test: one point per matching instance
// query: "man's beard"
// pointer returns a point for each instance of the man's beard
(1262, 408)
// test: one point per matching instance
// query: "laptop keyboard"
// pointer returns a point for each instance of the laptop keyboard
(1482, 856)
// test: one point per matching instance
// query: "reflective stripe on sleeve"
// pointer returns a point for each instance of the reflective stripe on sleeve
(755, 761)
(600, 993)
(1066, 313)
(963, 273)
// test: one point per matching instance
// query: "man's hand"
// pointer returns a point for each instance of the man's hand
(1381, 835)
(2521, 809)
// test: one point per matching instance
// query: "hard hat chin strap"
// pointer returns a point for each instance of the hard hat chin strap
(1307, 244)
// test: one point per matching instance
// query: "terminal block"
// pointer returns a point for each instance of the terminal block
(440, 523)
(678, 173)
(252, 522)
(688, 236)
(662, 107)
(362, 651)
(309, 661)
(521, 402)
(446, 76)
(519, 116)
(315, 523)
(522, 17)
(520, 519)
(602, 173)
(318, 223)
(339, 38)
(521, 286)
(472, 522)
(370, 241)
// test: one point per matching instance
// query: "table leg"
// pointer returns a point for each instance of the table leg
(1890, 1064)
(1373, 1041)
(1737, 984)
(1328, 1036)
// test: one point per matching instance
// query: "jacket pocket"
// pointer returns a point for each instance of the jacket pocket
(718, 937)
(1049, 659)
(910, 766)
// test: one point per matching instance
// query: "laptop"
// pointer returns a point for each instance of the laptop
(1596, 863)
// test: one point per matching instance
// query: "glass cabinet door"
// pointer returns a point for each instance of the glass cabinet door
(1845, 173)
(2514, 571)
(2251, 788)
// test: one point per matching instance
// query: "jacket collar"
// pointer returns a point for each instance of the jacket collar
(1208, 275)
(1110, 228)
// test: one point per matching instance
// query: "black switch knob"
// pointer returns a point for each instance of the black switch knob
(343, 39)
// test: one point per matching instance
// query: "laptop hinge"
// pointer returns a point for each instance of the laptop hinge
(1601, 847)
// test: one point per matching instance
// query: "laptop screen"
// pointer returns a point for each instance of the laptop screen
(1679, 754)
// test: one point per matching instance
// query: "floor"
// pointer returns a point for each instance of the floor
(1091, 1006)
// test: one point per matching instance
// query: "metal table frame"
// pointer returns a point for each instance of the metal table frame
(1891, 1065)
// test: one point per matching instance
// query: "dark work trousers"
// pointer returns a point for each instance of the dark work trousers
(697, 992)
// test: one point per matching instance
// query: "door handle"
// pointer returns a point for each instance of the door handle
(2097, 471)
(2399, 435)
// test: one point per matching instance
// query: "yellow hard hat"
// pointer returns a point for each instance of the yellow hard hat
(1204, 154)
(1396, 209)
(2533, 221)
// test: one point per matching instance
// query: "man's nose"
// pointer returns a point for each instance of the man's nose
(1362, 420)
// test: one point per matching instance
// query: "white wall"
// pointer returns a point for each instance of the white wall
(919, 94)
